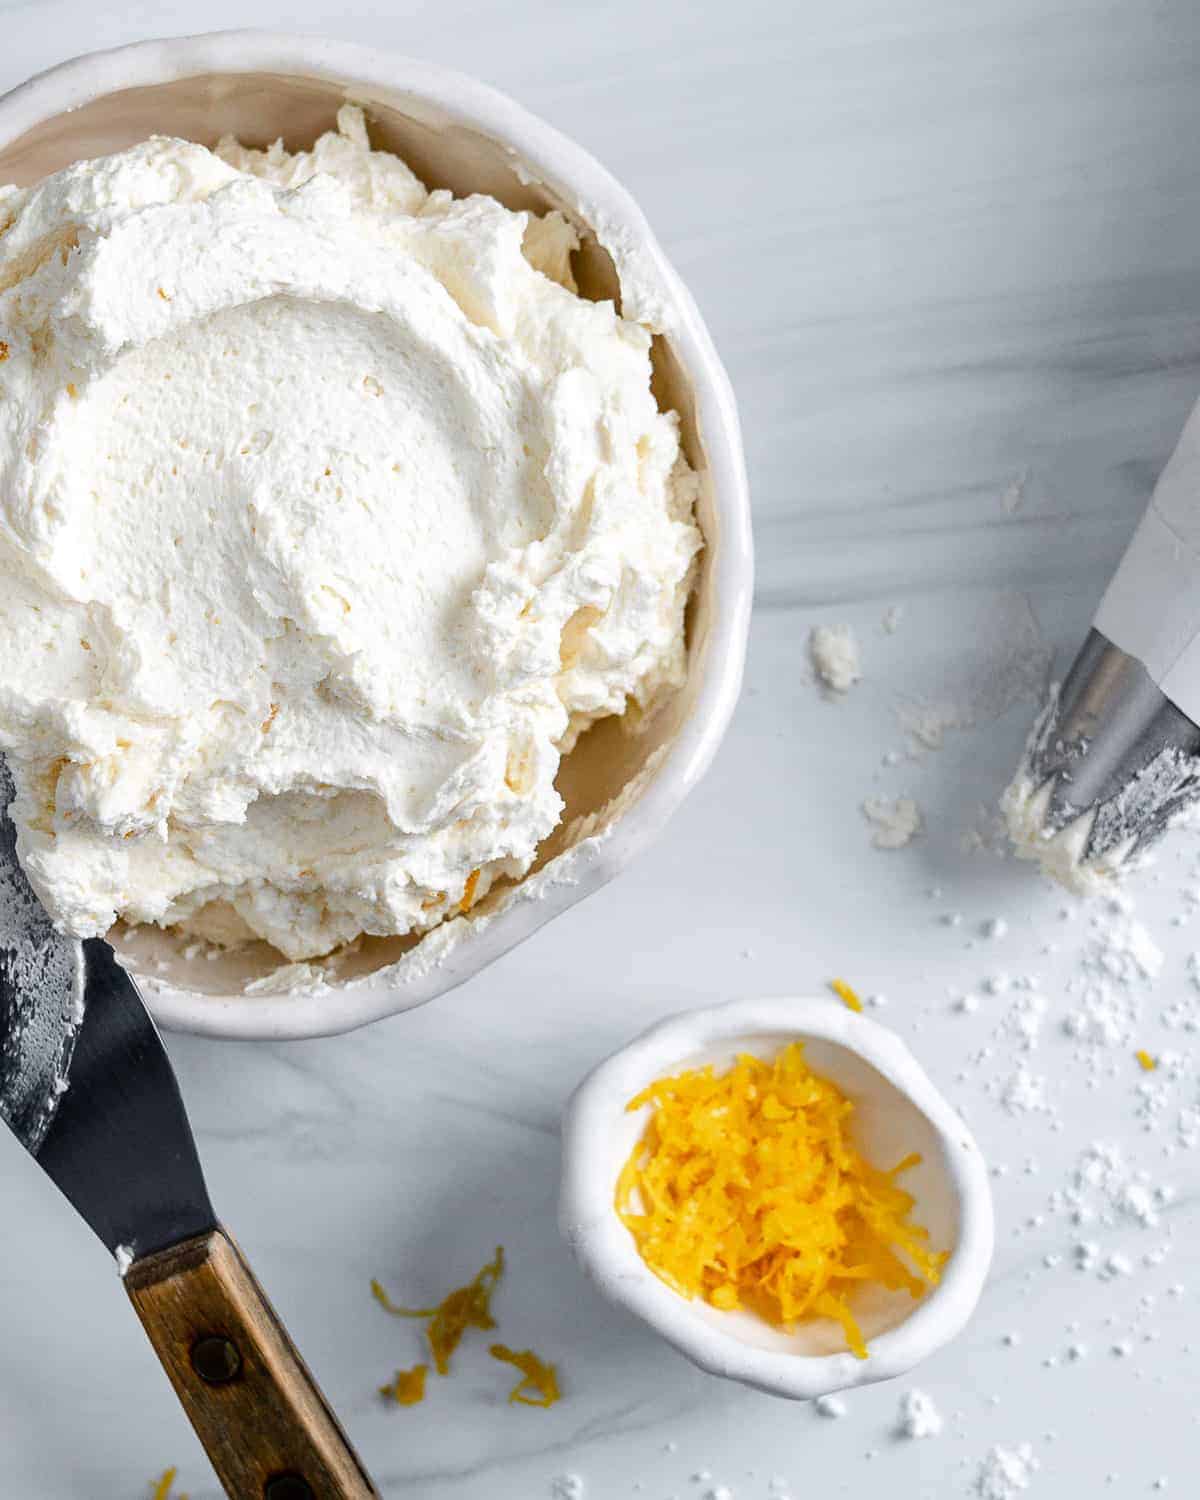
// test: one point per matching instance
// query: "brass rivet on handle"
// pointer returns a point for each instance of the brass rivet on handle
(217, 1361)
(287, 1487)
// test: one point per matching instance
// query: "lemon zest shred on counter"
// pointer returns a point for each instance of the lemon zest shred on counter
(746, 1190)
(394, 1308)
(162, 1486)
(408, 1387)
(538, 1385)
(1145, 1061)
(846, 995)
(466, 1307)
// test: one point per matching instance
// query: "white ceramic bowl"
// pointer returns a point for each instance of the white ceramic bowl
(620, 788)
(898, 1110)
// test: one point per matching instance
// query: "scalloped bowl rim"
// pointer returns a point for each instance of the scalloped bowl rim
(607, 1253)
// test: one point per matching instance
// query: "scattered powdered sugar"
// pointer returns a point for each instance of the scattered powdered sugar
(1124, 948)
(1157, 1098)
(1182, 1012)
(830, 1406)
(918, 1417)
(1024, 1093)
(1189, 1126)
(1103, 1018)
(1006, 1472)
(567, 1487)
(1003, 1064)
(926, 724)
(1022, 1022)
(1087, 1255)
(895, 824)
(835, 656)
(1106, 1188)
(1008, 1078)
(1119, 963)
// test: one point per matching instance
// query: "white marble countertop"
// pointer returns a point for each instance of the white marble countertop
(951, 253)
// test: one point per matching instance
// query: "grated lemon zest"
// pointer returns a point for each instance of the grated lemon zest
(538, 1385)
(466, 1307)
(408, 1387)
(468, 895)
(845, 994)
(394, 1308)
(162, 1486)
(746, 1190)
(1145, 1061)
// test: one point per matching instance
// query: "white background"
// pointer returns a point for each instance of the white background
(950, 253)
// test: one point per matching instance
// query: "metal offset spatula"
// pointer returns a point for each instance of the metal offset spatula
(88, 1090)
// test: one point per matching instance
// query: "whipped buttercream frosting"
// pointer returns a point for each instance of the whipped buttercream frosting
(330, 516)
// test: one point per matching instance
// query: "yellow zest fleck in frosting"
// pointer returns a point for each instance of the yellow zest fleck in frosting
(408, 1387)
(466, 1307)
(161, 1487)
(468, 895)
(746, 1190)
(845, 994)
(538, 1385)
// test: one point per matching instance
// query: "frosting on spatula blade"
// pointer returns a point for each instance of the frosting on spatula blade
(41, 996)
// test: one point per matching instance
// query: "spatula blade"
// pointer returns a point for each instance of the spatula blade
(85, 1083)
(41, 996)
(119, 1145)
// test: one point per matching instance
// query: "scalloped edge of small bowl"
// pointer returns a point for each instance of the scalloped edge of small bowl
(606, 1252)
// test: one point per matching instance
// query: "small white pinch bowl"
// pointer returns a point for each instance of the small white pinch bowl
(897, 1111)
(620, 789)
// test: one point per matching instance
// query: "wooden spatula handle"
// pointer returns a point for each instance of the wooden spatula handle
(264, 1423)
